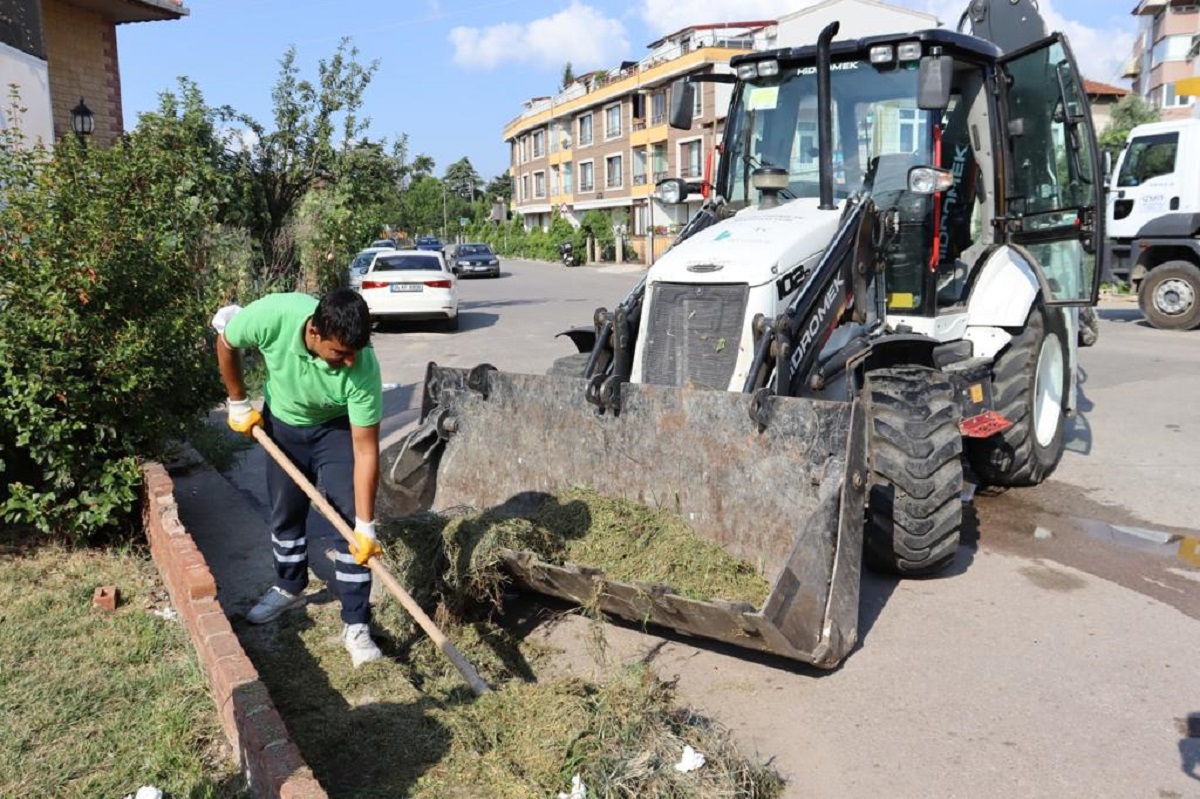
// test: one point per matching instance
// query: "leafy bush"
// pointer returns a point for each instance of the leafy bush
(108, 276)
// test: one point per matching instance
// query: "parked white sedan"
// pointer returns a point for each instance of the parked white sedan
(411, 284)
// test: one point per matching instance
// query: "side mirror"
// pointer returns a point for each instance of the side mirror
(683, 100)
(1108, 165)
(933, 82)
(671, 191)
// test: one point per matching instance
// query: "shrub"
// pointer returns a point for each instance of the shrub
(107, 282)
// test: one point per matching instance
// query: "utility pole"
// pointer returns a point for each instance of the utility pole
(443, 211)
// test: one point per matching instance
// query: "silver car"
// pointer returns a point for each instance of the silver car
(358, 267)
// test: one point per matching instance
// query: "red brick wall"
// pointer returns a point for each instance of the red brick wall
(81, 46)
(253, 726)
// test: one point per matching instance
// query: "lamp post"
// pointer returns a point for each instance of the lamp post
(443, 211)
(83, 122)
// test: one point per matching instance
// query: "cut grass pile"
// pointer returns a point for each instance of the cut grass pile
(628, 541)
(94, 703)
(409, 726)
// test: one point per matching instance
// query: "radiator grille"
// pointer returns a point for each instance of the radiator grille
(692, 334)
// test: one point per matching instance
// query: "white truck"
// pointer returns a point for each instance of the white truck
(1153, 221)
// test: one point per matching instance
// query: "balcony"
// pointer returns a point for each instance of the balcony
(660, 176)
(639, 180)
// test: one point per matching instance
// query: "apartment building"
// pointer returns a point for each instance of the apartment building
(604, 142)
(1165, 53)
(57, 52)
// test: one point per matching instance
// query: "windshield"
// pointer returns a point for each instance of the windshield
(474, 249)
(774, 123)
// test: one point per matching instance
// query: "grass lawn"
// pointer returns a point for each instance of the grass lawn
(93, 703)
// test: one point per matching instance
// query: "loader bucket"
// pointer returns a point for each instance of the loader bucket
(787, 496)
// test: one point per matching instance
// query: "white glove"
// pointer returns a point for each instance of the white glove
(224, 316)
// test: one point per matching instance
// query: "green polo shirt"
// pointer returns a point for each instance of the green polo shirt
(302, 390)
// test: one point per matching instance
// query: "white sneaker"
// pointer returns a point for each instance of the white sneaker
(273, 604)
(357, 640)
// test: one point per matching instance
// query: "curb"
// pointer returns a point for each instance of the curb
(267, 755)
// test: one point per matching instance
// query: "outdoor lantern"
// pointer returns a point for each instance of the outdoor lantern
(82, 120)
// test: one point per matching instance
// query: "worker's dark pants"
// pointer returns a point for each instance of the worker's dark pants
(325, 455)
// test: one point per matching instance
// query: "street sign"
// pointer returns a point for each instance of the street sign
(462, 221)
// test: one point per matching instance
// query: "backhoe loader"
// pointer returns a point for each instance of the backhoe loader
(880, 291)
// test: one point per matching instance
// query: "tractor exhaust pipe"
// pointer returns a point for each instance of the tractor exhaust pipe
(825, 117)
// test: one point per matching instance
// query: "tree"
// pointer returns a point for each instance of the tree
(1127, 114)
(500, 186)
(421, 167)
(568, 77)
(462, 179)
(314, 123)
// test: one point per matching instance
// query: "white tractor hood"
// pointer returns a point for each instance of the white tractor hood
(754, 247)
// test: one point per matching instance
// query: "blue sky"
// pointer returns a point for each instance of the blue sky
(452, 74)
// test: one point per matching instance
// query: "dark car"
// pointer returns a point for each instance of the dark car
(470, 260)
(428, 243)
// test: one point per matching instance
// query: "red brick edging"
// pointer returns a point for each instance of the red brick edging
(269, 758)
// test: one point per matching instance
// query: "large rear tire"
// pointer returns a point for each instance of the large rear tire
(569, 365)
(1030, 381)
(1170, 296)
(914, 500)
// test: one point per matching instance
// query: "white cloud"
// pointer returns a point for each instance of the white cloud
(579, 34)
(1101, 45)
(668, 16)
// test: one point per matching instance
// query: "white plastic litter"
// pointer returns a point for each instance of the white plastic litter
(146, 792)
(578, 789)
(690, 761)
(1042, 534)
(170, 614)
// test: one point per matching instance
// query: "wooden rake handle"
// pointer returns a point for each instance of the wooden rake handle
(374, 564)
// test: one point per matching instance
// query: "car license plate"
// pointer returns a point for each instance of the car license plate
(406, 287)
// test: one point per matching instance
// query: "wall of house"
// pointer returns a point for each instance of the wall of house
(30, 75)
(82, 48)
(856, 17)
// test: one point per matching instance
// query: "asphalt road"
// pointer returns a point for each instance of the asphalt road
(1056, 658)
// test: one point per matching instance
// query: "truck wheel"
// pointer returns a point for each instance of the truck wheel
(569, 365)
(1030, 381)
(1170, 296)
(1089, 327)
(914, 505)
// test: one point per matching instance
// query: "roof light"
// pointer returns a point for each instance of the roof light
(881, 54)
(768, 69)
(747, 71)
(909, 51)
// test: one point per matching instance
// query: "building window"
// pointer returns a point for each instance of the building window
(697, 100)
(911, 130)
(639, 167)
(585, 130)
(658, 108)
(567, 184)
(612, 121)
(554, 173)
(539, 184)
(1172, 100)
(613, 174)
(1171, 48)
(525, 187)
(659, 162)
(585, 177)
(539, 143)
(691, 161)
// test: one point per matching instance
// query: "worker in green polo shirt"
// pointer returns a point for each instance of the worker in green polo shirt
(323, 403)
